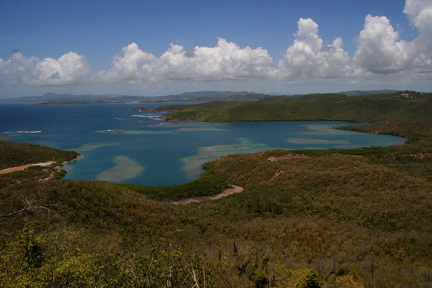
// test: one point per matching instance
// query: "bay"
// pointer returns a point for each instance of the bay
(122, 145)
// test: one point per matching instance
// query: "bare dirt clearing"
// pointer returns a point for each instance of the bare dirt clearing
(227, 192)
(23, 167)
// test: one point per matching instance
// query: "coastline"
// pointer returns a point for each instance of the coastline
(41, 164)
(25, 166)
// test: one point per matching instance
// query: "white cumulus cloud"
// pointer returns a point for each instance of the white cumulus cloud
(381, 56)
(379, 50)
(135, 66)
(15, 70)
(309, 58)
(224, 61)
(70, 68)
(420, 14)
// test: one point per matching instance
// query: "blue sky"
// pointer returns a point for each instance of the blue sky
(163, 47)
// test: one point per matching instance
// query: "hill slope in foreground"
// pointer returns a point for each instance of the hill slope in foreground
(312, 218)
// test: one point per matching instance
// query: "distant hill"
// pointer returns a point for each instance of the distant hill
(204, 96)
(398, 106)
(369, 92)
(54, 98)
(198, 96)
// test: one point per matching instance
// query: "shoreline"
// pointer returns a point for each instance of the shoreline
(41, 164)
(25, 166)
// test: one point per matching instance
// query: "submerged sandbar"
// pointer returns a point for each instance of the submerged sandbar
(125, 168)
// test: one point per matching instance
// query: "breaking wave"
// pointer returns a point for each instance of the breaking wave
(23, 132)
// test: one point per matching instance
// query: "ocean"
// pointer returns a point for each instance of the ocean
(119, 144)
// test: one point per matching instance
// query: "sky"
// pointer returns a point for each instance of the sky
(162, 47)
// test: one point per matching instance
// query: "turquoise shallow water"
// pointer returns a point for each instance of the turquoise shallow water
(119, 144)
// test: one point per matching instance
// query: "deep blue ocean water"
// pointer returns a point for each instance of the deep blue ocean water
(119, 144)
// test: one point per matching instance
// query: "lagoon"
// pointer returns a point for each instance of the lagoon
(122, 145)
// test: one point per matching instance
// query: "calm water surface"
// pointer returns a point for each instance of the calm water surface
(119, 144)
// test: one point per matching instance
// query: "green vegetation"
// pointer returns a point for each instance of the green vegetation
(16, 154)
(208, 184)
(399, 106)
(328, 218)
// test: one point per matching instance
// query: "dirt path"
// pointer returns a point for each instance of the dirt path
(230, 191)
(43, 164)
(23, 167)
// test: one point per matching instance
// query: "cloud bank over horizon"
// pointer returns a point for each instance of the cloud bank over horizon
(380, 53)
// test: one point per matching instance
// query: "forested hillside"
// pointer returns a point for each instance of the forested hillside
(398, 106)
(311, 218)
(15, 154)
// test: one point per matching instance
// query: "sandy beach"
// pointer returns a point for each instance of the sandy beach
(23, 167)
(42, 164)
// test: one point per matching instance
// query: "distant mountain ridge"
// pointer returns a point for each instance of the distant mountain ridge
(55, 97)
(198, 96)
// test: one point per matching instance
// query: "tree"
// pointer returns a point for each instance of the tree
(308, 278)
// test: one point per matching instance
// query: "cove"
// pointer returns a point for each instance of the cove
(122, 145)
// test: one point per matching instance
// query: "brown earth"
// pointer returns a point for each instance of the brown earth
(23, 167)
(227, 192)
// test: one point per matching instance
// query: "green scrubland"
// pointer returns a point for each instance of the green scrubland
(326, 218)
(16, 154)
(400, 106)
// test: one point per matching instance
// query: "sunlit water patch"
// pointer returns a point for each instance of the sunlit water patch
(340, 144)
(125, 169)
(325, 129)
(132, 132)
(151, 117)
(197, 129)
(93, 146)
(193, 164)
